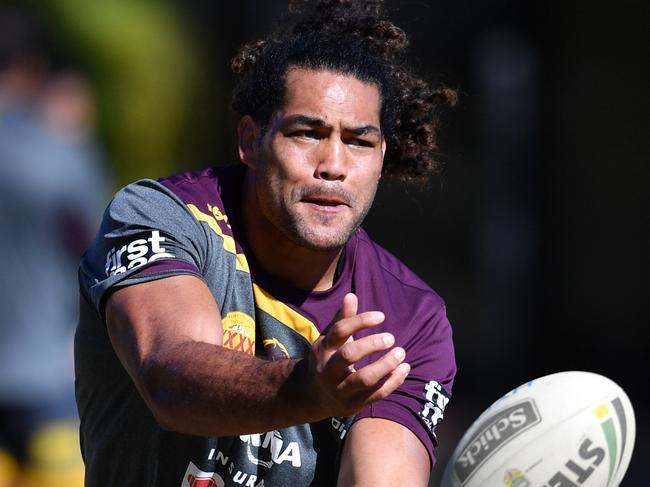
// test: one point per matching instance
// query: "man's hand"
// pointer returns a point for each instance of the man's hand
(340, 389)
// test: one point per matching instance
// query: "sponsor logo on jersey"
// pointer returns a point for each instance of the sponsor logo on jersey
(239, 332)
(274, 349)
(493, 433)
(515, 478)
(139, 250)
(218, 214)
(195, 477)
(339, 425)
(265, 449)
(434, 408)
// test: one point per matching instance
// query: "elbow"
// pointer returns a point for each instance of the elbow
(166, 419)
(161, 395)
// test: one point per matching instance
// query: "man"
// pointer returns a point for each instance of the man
(237, 326)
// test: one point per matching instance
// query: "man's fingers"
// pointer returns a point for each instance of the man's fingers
(335, 354)
(375, 374)
(392, 382)
(365, 395)
(353, 351)
(343, 329)
(349, 307)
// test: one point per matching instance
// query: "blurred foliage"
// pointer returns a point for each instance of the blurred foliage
(147, 73)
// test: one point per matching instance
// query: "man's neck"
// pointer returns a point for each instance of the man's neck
(304, 268)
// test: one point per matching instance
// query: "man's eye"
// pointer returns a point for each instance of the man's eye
(361, 142)
(307, 134)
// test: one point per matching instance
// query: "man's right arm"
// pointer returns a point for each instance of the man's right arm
(167, 334)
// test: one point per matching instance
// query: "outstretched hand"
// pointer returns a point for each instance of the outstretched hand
(341, 389)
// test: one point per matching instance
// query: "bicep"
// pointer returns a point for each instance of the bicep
(146, 320)
(379, 452)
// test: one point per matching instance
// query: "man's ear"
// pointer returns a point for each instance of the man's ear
(383, 153)
(248, 133)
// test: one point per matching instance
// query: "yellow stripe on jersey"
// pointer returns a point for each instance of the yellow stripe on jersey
(228, 241)
(285, 315)
(267, 303)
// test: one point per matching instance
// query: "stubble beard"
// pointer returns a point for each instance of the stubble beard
(320, 233)
(325, 236)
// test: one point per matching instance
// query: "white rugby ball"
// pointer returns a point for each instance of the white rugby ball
(569, 429)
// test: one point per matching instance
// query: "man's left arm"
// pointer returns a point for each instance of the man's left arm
(380, 452)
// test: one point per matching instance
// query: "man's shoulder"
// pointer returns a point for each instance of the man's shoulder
(203, 184)
(199, 176)
(396, 275)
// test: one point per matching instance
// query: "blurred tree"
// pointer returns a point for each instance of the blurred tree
(148, 75)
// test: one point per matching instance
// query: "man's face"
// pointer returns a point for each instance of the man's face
(320, 160)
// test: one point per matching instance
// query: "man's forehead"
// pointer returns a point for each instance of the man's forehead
(329, 94)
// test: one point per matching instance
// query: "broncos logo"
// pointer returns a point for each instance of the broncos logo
(274, 349)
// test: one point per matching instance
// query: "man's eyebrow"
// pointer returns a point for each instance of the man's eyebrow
(366, 129)
(305, 120)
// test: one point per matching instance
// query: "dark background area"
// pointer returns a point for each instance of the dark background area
(534, 233)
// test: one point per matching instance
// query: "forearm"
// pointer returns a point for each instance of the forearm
(208, 390)
(172, 350)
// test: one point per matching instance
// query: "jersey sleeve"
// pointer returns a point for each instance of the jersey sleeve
(419, 403)
(147, 233)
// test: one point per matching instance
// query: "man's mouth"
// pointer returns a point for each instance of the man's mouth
(325, 201)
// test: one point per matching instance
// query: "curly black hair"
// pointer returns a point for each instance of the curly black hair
(352, 37)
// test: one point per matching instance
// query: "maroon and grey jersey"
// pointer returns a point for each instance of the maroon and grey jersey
(191, 224)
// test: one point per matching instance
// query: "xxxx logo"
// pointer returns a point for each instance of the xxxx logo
(239, 332)
(237, 341)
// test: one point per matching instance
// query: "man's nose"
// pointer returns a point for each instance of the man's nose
(332, 163)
